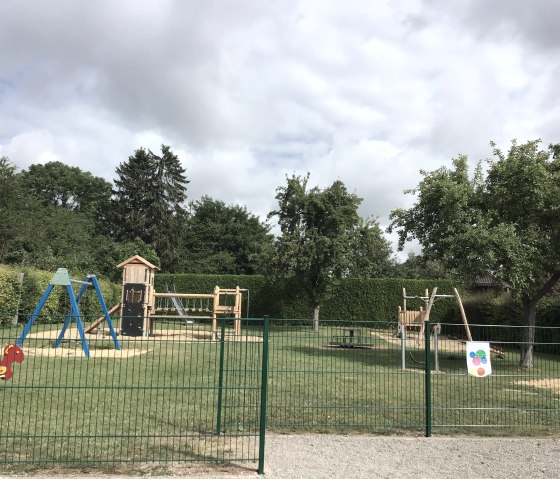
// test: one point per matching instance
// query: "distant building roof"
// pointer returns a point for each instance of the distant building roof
(484, 282)
(487, 282)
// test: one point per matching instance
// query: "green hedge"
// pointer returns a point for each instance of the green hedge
(35, 283)
(349, 299)
(363, 299)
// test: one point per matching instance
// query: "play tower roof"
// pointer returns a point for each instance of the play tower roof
(136, 259)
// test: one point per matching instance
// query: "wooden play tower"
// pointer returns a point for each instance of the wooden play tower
(141, 305)
(137, 301)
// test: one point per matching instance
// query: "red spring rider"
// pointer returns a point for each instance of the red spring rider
(12, 354)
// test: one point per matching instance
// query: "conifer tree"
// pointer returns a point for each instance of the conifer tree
(148, 200)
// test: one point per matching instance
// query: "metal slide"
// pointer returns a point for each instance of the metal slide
(178, 305)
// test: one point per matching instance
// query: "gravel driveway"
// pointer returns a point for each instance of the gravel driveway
(397, 457)
(346, 457)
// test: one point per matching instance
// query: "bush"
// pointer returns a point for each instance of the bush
(56, 307)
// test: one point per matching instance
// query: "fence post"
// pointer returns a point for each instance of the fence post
(403, 346)
(264, 381)
(427, 376)
(221, 377)
(437, 330)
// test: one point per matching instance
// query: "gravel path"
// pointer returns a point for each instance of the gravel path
(347, 457)
(410, 457)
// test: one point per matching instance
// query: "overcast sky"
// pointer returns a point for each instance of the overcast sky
(247, 92)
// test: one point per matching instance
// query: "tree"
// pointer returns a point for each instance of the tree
(148, 203)
(370, 252)
(224, 238)
(505, 223)
(57, 184)
(419, 267)
(323, 238)
(15, 210)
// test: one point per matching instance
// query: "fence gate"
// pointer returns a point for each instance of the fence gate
(177, 396)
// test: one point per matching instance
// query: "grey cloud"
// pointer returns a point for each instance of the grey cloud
(246, 92)
(531, 23)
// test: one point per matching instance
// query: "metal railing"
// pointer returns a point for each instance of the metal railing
(183, 395)
(176, 396)
(373, 377)
(513, 399)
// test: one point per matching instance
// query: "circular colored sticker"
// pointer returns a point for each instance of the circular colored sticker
(472, 354)
(476, 361)
(481, 371)
(484, 360)
(480, 353)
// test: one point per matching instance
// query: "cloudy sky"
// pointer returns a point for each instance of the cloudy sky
(247, 92)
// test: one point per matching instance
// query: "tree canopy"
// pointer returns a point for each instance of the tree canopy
(503, 222)
(324, 238)
(148, 203)
(57, 184)
(224, 238)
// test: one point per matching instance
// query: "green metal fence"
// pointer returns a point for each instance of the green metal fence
(344, 378)
(180, 395)
(512, 399)
(184, 394)
(369, 377)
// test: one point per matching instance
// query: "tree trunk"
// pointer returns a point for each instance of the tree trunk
(316, 319)
(528, 336)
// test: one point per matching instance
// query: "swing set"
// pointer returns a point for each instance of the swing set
(409, 320)
(62, 278)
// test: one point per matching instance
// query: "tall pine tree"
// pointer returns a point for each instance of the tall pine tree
(148, 200)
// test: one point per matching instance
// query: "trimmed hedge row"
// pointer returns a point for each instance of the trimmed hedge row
(505, 310)
(364, 299)
(35, 282)
(349, 299)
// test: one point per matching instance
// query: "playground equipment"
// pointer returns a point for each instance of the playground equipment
(141, 305)
(416, 320)
(12, 354)
(62, 278)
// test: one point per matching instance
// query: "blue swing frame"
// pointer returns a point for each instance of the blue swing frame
(62, 278)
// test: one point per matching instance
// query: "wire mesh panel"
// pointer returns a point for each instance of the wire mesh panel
(345, 377)
(512, 398)
(178, 395)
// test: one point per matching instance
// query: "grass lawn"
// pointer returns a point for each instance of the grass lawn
(157, 400)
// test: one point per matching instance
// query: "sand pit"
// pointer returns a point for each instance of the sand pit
(159, 335)
(444, 344)
(101, 346)
(553, 384)
(77, 352)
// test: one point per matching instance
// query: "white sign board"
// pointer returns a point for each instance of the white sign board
(478, 359)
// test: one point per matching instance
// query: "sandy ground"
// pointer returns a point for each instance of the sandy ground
(332, 456)
(130, 346)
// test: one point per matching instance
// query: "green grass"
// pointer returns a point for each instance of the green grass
(161, 404)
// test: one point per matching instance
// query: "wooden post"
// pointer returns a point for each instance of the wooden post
(430, 303)
(237, 311)
(215, 308)
(20, 277)
(404, 299)
(463, 315)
